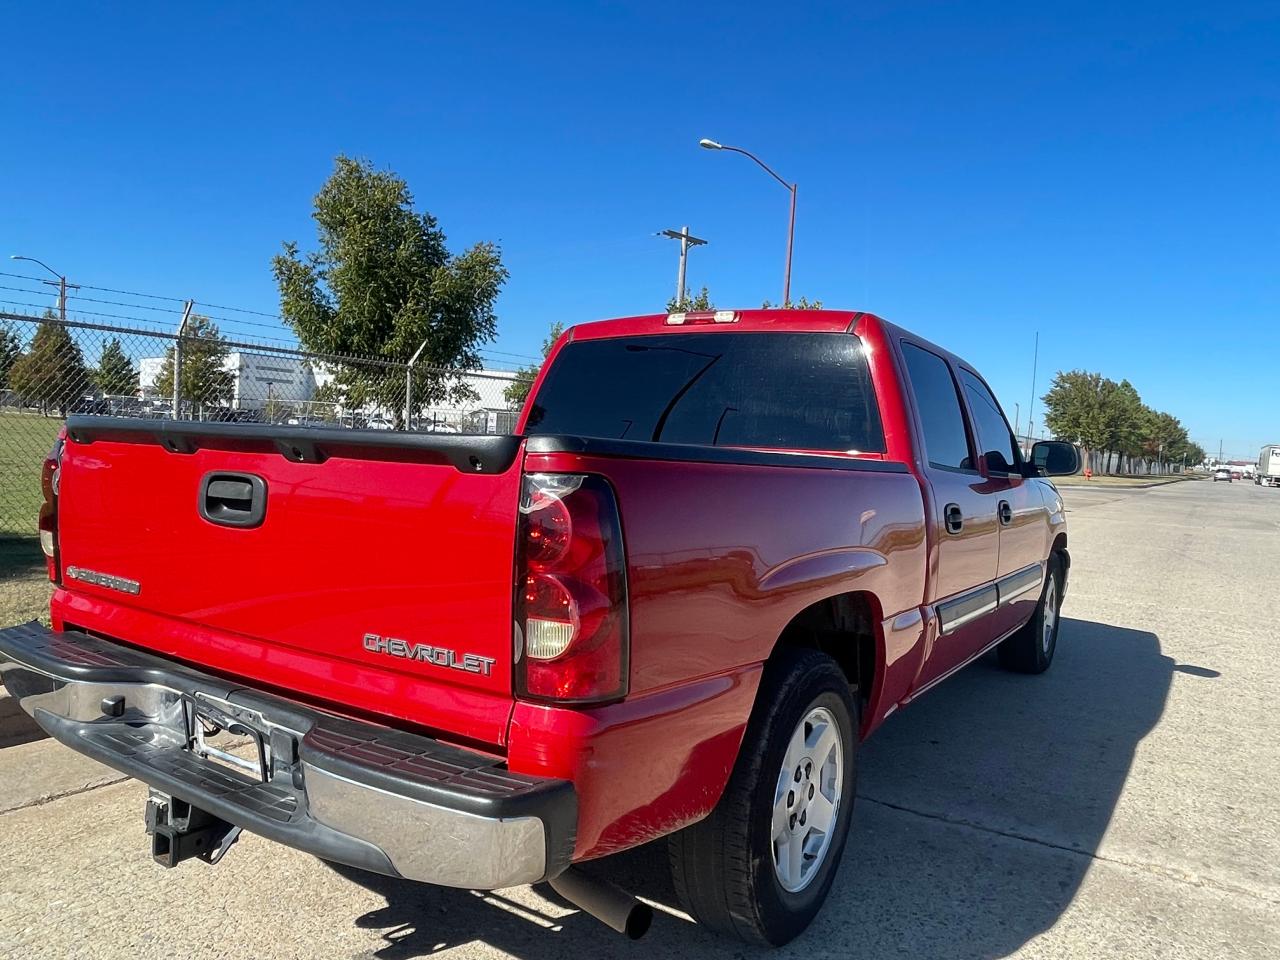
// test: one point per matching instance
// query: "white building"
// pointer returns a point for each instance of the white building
(256, 378)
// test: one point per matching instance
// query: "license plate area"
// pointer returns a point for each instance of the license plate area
(212, 731)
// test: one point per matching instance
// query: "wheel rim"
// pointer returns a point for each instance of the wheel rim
(1050, 613)
(806, 804)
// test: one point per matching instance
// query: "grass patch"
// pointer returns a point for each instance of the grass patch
(25, 440)
(24, 584)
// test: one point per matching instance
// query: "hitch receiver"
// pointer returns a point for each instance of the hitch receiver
(180, 831)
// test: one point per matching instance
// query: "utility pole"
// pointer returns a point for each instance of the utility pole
(687, 240)
(62, 295)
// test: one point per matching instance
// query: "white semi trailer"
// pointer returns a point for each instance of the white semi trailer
(1268, 472)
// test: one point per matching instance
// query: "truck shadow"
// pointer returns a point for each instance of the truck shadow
(979, 810)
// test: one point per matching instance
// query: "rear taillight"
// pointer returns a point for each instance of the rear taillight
(48, 522)
(571, 591)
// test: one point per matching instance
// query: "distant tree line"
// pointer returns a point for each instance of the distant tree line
(1100, 414)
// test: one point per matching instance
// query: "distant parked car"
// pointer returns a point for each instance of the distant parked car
(1222, 473)
(380, 423)
(91, 405)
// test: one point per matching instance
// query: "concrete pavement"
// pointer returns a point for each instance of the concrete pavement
(1125, 804)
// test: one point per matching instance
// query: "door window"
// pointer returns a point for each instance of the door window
(995, 439)
(946, 442)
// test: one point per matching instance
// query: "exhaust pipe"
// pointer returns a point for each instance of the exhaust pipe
(605, 901)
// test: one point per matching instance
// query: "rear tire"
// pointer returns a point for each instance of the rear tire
(1031, 649)
(732, 870)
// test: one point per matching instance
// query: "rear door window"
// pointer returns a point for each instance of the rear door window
(946, 442)
(791, 391)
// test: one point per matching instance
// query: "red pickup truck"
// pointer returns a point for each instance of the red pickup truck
(721, 549)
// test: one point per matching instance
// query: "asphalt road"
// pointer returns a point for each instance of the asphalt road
(1126, 804)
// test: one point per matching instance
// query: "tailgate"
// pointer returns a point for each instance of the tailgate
(378, 574)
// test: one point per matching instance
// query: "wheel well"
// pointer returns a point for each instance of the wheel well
(844, 628)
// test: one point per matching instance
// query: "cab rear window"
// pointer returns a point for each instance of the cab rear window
(793, 391)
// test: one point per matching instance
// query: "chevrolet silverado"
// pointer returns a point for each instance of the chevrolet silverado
(719, 550)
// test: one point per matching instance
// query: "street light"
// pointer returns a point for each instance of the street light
(791, 223)
(62, 283)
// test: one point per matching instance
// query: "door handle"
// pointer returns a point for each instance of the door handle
(233, 499)
(1005, 512)
(953, 518)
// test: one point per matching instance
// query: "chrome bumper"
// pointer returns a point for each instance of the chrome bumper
(373, 797)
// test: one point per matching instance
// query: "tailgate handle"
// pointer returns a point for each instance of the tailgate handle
(233, 499)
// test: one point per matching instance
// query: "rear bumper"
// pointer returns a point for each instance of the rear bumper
(373, 797)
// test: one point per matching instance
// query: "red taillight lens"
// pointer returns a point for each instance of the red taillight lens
(571, 597)
(48, 521)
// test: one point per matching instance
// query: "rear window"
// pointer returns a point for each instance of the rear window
(795, 391)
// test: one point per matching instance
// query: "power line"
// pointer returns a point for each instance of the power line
(282, 327)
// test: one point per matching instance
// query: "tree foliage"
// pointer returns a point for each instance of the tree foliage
(51, 373)
(518, 390)
(10, 351)
(205, 379)
(804, 303)
(702, 301)
(690, 302)
(381, 283)
(1100, 414)
(115, 375)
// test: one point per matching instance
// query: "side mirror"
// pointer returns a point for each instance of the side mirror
(1055, 458)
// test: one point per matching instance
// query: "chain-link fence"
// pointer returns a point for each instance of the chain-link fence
(52, 367)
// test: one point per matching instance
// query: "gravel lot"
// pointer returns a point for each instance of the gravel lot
(1126, 804)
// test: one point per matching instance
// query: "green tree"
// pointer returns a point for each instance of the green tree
(1100, 414)
(689, 303)
(1089, 409)
(1164, 437)
(804, 303)
(51, 374)
(10, 351)
(518, 390)
(115, 375)
(205, 379)
(381, 283)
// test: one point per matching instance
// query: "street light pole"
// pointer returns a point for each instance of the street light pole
(62, 284)
(791, 221)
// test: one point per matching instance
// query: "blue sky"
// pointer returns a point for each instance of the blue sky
(1103, 173)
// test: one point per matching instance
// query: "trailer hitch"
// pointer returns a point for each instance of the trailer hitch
(180, 831)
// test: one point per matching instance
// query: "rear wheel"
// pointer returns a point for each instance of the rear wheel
(1031, 649)
(761, 865)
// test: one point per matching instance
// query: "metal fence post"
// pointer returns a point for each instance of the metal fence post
(408, 385)
(177, 359)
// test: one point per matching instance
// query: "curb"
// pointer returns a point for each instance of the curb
(1087, 485)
